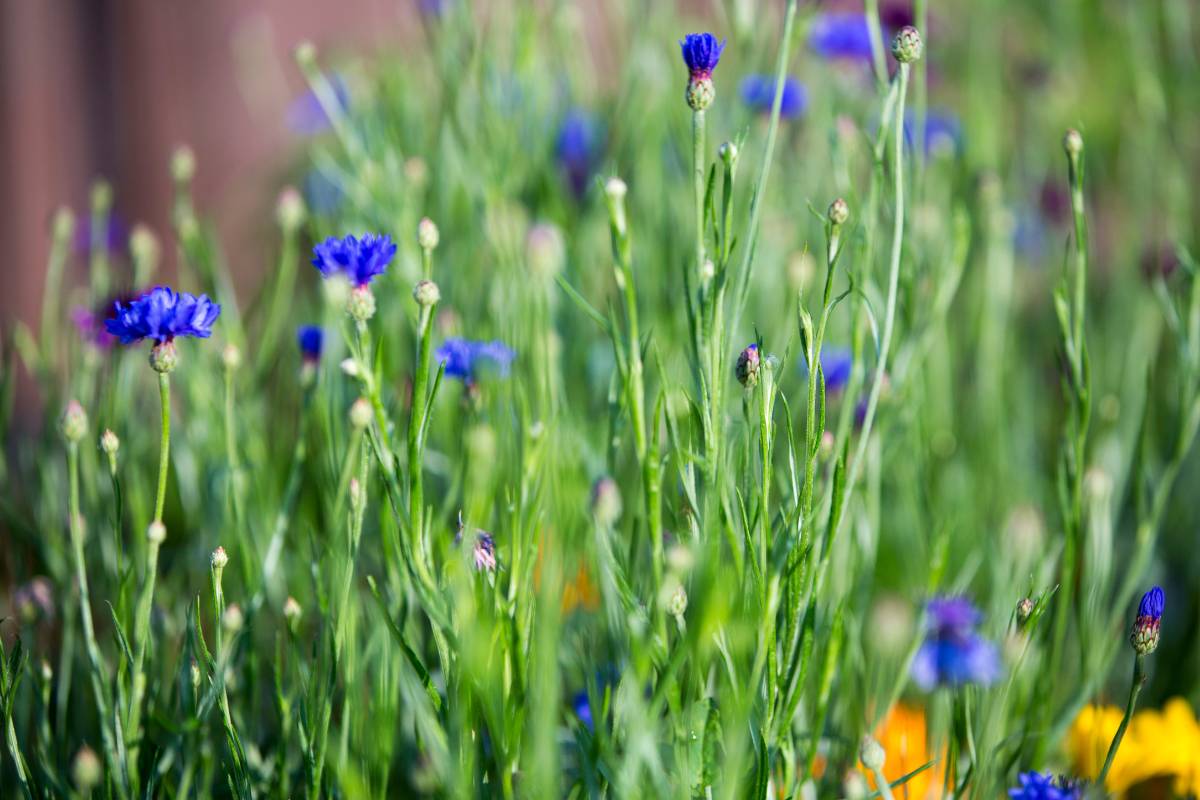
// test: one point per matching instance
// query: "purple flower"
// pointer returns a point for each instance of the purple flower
(484, 552)
(312, 341)
(841, 36)
(758, 92)
(307, 116)
(943, 131)
(91, 328)
(701, 52)
(162, 314)
(1151, 607)
(1145, 633)
(583, 709)
(113, 239)
(836, 365)
(464, 358)
(577, 148)
(1036, 786)
(953, 654)
(359, 260)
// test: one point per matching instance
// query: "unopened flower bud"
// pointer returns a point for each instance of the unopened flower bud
(1144, 636)
(427, 234)
(233, 619)
(1073, 143)
(289, 209)
(871, 754)
(292, 612)
(86, 770)
(748, 365)
(64, 224)
(109, 443)
(427, 294)
(144, 249)
(907, 45)
(183, 164)
(306, 54)
(1024, 611)
(74, 422)
(156, 533)
(349, 367)
(708, 270)
(700, 93)
(839, 212)
(220, 559)
(102, 196)
(360, 413)
(615, 188)
(728, 153)
(361, 305)
(606, 502)
(196, 675)
(678, 603)
(231, 356)
(164, 357)
(416, 171)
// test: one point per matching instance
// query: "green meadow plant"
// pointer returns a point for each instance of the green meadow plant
(628, 445)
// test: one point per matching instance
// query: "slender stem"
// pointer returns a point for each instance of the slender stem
(889, 319)
(875, 31)
(698, 163)
(885, 788)
(416, 482)
(1139, 678)
(164, 447)
(141, 639)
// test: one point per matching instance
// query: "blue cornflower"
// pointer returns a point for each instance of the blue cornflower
(583, 708)
(577, 147)
(464, 358)
(312, 341)
(323, 193)
(758, 92)
(1144, 636)
(943, 131)
(360, 260)
(307, 116)
(836, 364)
(953, 653)
(701, 52)
(1036, 786)
(841, 36)
(112, 239)
(162, 314)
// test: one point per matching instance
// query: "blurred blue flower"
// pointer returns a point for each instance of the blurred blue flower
(162, 314)
(311, 340)
(836, 364)
(758, 92)
(114, 239)
(577, 147)
(322, 193)
(701, 52)
(359, 260)
(307, 116)
(434, 8)
(582, 707)
(943, 131)
(953, 654)
(92, 328)
(1036, 786)
(465, 358)
(841, 36)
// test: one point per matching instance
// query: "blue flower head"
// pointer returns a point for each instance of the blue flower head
(307, 116)
(577, 147)
(311, 340)
(701, 52)
(841, 36)
(1036, 786)
(582, 707)
(162, 314)
(359, 260)
(465, 359)
(953, 654)
(836, 364)
(943, 131)
(758, 92)
(1151, 607)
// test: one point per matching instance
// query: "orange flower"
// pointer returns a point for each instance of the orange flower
(580, 592)
(903, 736)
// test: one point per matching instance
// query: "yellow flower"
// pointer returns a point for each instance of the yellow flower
(1157, 744)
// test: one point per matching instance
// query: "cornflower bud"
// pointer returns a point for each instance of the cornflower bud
(361, 413)
(748, 365)
(233, 619)
(871, 754)
(86, 770)
(156, 533)
(289, 209)
(678, 603)
(729, 154)
(220, 559)
(907, 45)
(183, 164)
(1144, 636)
(292, 613)
(1024, 611)
(109, 443)
(606, 502)
(74, 422)
(231, 356)
(701, 53)
(839, 212)
(427, 234)
(427, 294)
(1073, 143)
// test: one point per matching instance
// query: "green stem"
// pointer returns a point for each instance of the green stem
(1139, 678)
(416, 482)
(698, 163)
(164, 447)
